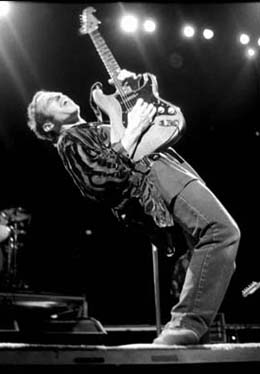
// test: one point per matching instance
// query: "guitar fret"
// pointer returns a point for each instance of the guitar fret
(106, 55)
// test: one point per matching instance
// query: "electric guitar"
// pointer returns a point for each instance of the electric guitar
(168, 121)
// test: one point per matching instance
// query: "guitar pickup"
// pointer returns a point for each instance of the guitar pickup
(131, 97)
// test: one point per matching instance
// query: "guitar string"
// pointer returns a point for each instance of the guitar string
(127, 102)
(98, 42)
(102, 48)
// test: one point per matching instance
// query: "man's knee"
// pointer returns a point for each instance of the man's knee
(232, 239)
(234, 232)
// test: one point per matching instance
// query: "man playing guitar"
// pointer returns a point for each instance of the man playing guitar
(153, 193)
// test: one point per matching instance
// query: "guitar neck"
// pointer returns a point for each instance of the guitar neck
(106, 55)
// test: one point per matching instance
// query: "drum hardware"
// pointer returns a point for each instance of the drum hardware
(12, 251)
(15, 221)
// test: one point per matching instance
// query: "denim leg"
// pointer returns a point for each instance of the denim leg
(215, 238)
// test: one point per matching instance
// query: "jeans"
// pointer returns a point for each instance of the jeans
(214, 237)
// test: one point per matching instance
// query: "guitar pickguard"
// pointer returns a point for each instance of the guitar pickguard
(165, 128)
(166, 112)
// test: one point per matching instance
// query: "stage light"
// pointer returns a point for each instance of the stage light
(244, 39)
(251, 52)
(149, 25)
(129, 23)
(208, 34)
(188, 31)
(4, 8)
(54, 316)
(258, 41)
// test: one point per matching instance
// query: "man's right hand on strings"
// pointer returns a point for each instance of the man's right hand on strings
(139, 119)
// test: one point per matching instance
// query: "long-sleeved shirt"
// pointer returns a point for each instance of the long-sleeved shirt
(105, 174)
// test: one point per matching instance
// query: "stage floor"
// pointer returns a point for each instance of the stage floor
(24, 354)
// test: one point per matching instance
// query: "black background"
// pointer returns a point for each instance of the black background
(217, 88)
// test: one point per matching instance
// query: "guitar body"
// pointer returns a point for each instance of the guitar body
(168, 120)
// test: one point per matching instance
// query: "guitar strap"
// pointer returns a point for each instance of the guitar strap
(92, 103)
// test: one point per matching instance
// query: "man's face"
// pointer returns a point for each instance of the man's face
(58, 107)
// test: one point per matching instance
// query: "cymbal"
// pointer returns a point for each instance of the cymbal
(39, 304)
(4, 232)
(16, 214)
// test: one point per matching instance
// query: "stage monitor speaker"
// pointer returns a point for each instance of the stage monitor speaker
(48, 318)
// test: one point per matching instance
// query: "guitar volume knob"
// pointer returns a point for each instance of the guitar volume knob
(161, 109)
(171, 110)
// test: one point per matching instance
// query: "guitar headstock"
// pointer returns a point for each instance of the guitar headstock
(89, 22)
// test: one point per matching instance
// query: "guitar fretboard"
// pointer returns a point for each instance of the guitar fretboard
(106, 55)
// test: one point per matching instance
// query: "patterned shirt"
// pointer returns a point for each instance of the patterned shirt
(106, 175)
